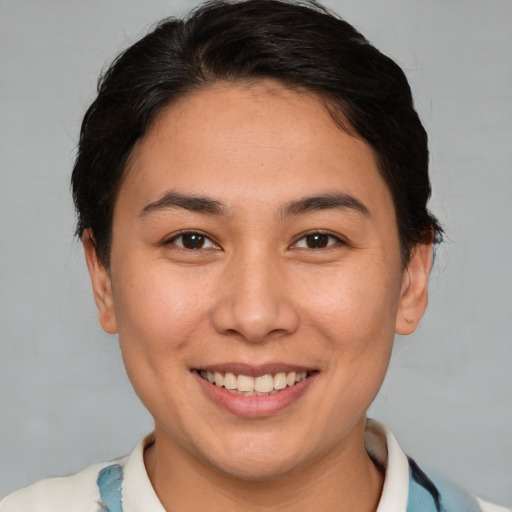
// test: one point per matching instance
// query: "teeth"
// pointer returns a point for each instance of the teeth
(250, 386)
(300, 376)
(219, 379)
(245, 383)
(230, 381)
(280, 380)
(264, 384)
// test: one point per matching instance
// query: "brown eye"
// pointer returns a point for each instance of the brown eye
(317, 241)
(193, 241)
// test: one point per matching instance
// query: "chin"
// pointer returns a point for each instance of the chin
(256, 460)
(263, 469)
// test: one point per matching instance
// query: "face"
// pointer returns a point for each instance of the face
(255, 245)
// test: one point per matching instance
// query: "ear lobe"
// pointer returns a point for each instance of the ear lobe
(101, 284)
(414, 293)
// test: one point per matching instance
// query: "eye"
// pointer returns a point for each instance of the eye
(317, 240)
(192, 240)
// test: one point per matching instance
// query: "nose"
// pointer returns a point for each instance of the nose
(255, 302)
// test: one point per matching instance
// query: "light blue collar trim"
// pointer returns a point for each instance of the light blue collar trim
(110, 480)
(433, 494)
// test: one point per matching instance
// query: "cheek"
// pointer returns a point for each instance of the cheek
(159, 308)
(354, 309)
(353, 304)
(158, 314)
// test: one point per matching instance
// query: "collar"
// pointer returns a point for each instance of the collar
(380, 443)
(383, 448)
(138, 493)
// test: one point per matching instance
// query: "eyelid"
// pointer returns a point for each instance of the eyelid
(338, 238)
(171, 239)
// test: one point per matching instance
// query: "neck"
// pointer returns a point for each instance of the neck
(345, 479)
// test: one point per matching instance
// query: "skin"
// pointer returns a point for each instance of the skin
(256, 293)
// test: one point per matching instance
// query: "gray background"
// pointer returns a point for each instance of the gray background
(65, 402)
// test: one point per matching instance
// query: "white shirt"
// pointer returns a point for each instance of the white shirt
(80, 492)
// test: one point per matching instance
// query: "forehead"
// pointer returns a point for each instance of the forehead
(231, 139)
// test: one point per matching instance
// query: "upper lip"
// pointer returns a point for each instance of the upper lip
(254, 370)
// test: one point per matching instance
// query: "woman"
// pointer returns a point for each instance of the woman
(251, 187)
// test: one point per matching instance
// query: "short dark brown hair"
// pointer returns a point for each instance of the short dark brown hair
(299, 44)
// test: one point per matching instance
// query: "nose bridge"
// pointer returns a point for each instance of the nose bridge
(254, 302)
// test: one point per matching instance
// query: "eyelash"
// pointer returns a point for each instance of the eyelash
(332, 240)
(337, 240)
(199, 234)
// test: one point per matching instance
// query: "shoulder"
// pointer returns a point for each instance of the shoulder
(429, 491)
(491, 507)
(78, 492)
(410, 487)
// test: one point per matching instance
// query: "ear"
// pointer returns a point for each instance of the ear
(414, 292)
(101, 284)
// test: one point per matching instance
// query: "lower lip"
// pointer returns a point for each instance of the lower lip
(254, 406)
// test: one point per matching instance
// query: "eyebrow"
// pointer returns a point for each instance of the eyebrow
(206, 205)
(172, 200)
(337, 200)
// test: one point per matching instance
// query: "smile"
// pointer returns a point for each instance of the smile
(246, 385)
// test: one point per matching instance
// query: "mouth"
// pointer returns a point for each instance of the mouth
(262, 385)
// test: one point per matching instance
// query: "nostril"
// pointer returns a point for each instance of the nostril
(254, 309)
(254, 328)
